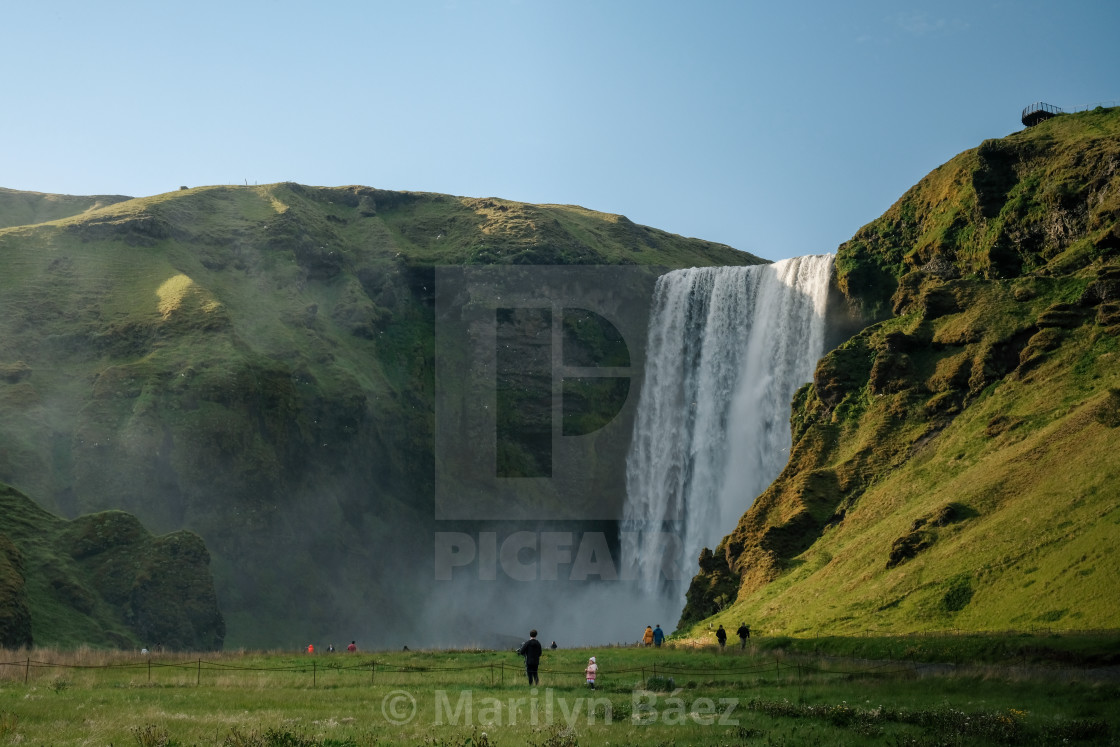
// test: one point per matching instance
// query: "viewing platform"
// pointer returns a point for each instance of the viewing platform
(1039, 112)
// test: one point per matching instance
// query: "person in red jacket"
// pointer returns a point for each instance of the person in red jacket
(352, 647)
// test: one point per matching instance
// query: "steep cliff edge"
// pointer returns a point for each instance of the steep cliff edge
(953, 464)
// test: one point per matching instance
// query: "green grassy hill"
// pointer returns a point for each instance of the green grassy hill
(255, 364)
(101, 580)
(954, 465)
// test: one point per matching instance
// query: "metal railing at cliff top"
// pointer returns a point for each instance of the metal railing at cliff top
(1040, 111)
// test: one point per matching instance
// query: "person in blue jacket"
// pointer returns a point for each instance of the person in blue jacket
(658, 636)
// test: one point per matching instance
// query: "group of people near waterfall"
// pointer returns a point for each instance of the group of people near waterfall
(653, 636)
(352, 648)
(532, 650)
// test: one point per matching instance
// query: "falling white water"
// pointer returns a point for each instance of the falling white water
(727, 349)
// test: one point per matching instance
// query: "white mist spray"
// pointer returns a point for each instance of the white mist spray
(727, 349)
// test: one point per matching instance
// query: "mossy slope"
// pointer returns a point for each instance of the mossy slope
(101, 580)
(256, 364)
(954, 465)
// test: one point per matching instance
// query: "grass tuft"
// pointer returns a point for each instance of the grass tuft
(151, 735)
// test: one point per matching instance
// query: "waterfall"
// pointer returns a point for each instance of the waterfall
(727, 348)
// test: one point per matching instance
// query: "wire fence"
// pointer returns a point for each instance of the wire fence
(774, 661)
(1099, 104)
(200, 671)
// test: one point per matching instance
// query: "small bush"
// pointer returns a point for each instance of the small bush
(58, 685)
(658, 683)
(557, 736)
(958, 595)
(1108, 412)
(152, 736)
(285, 738)
(474, 739)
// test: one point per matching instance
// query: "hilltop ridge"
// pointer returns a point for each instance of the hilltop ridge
(27, 208)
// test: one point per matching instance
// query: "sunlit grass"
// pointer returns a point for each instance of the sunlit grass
(645, 696)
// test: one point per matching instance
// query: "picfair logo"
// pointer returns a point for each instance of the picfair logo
(536, 377)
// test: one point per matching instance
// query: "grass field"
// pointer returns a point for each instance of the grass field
(776, 692)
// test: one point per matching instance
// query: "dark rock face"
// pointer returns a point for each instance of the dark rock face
(15, 617)
(909, 545)
(714, 587)
(843, 371)
(923, 533)
(162, 584)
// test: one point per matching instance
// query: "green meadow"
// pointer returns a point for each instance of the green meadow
(944, 690)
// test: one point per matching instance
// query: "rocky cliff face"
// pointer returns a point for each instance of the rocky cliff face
(949, 462)
(102, 579)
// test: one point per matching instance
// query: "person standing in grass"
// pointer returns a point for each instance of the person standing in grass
(658, 636)
(531, 650)
(721, 636)
(744, 633)
(591, 671)
(647, 637)
(352, 647)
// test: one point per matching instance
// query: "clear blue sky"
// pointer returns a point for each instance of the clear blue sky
(778, 128)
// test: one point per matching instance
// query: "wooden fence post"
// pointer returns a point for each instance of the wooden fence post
(27, 670)
(198, 678)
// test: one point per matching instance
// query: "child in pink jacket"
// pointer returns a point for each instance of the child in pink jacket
(592, 669)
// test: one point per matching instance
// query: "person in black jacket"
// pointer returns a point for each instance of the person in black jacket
(531, 650)
(744, 632)
(721, 636)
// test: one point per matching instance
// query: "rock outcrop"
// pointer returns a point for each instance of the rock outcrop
(102, 580)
